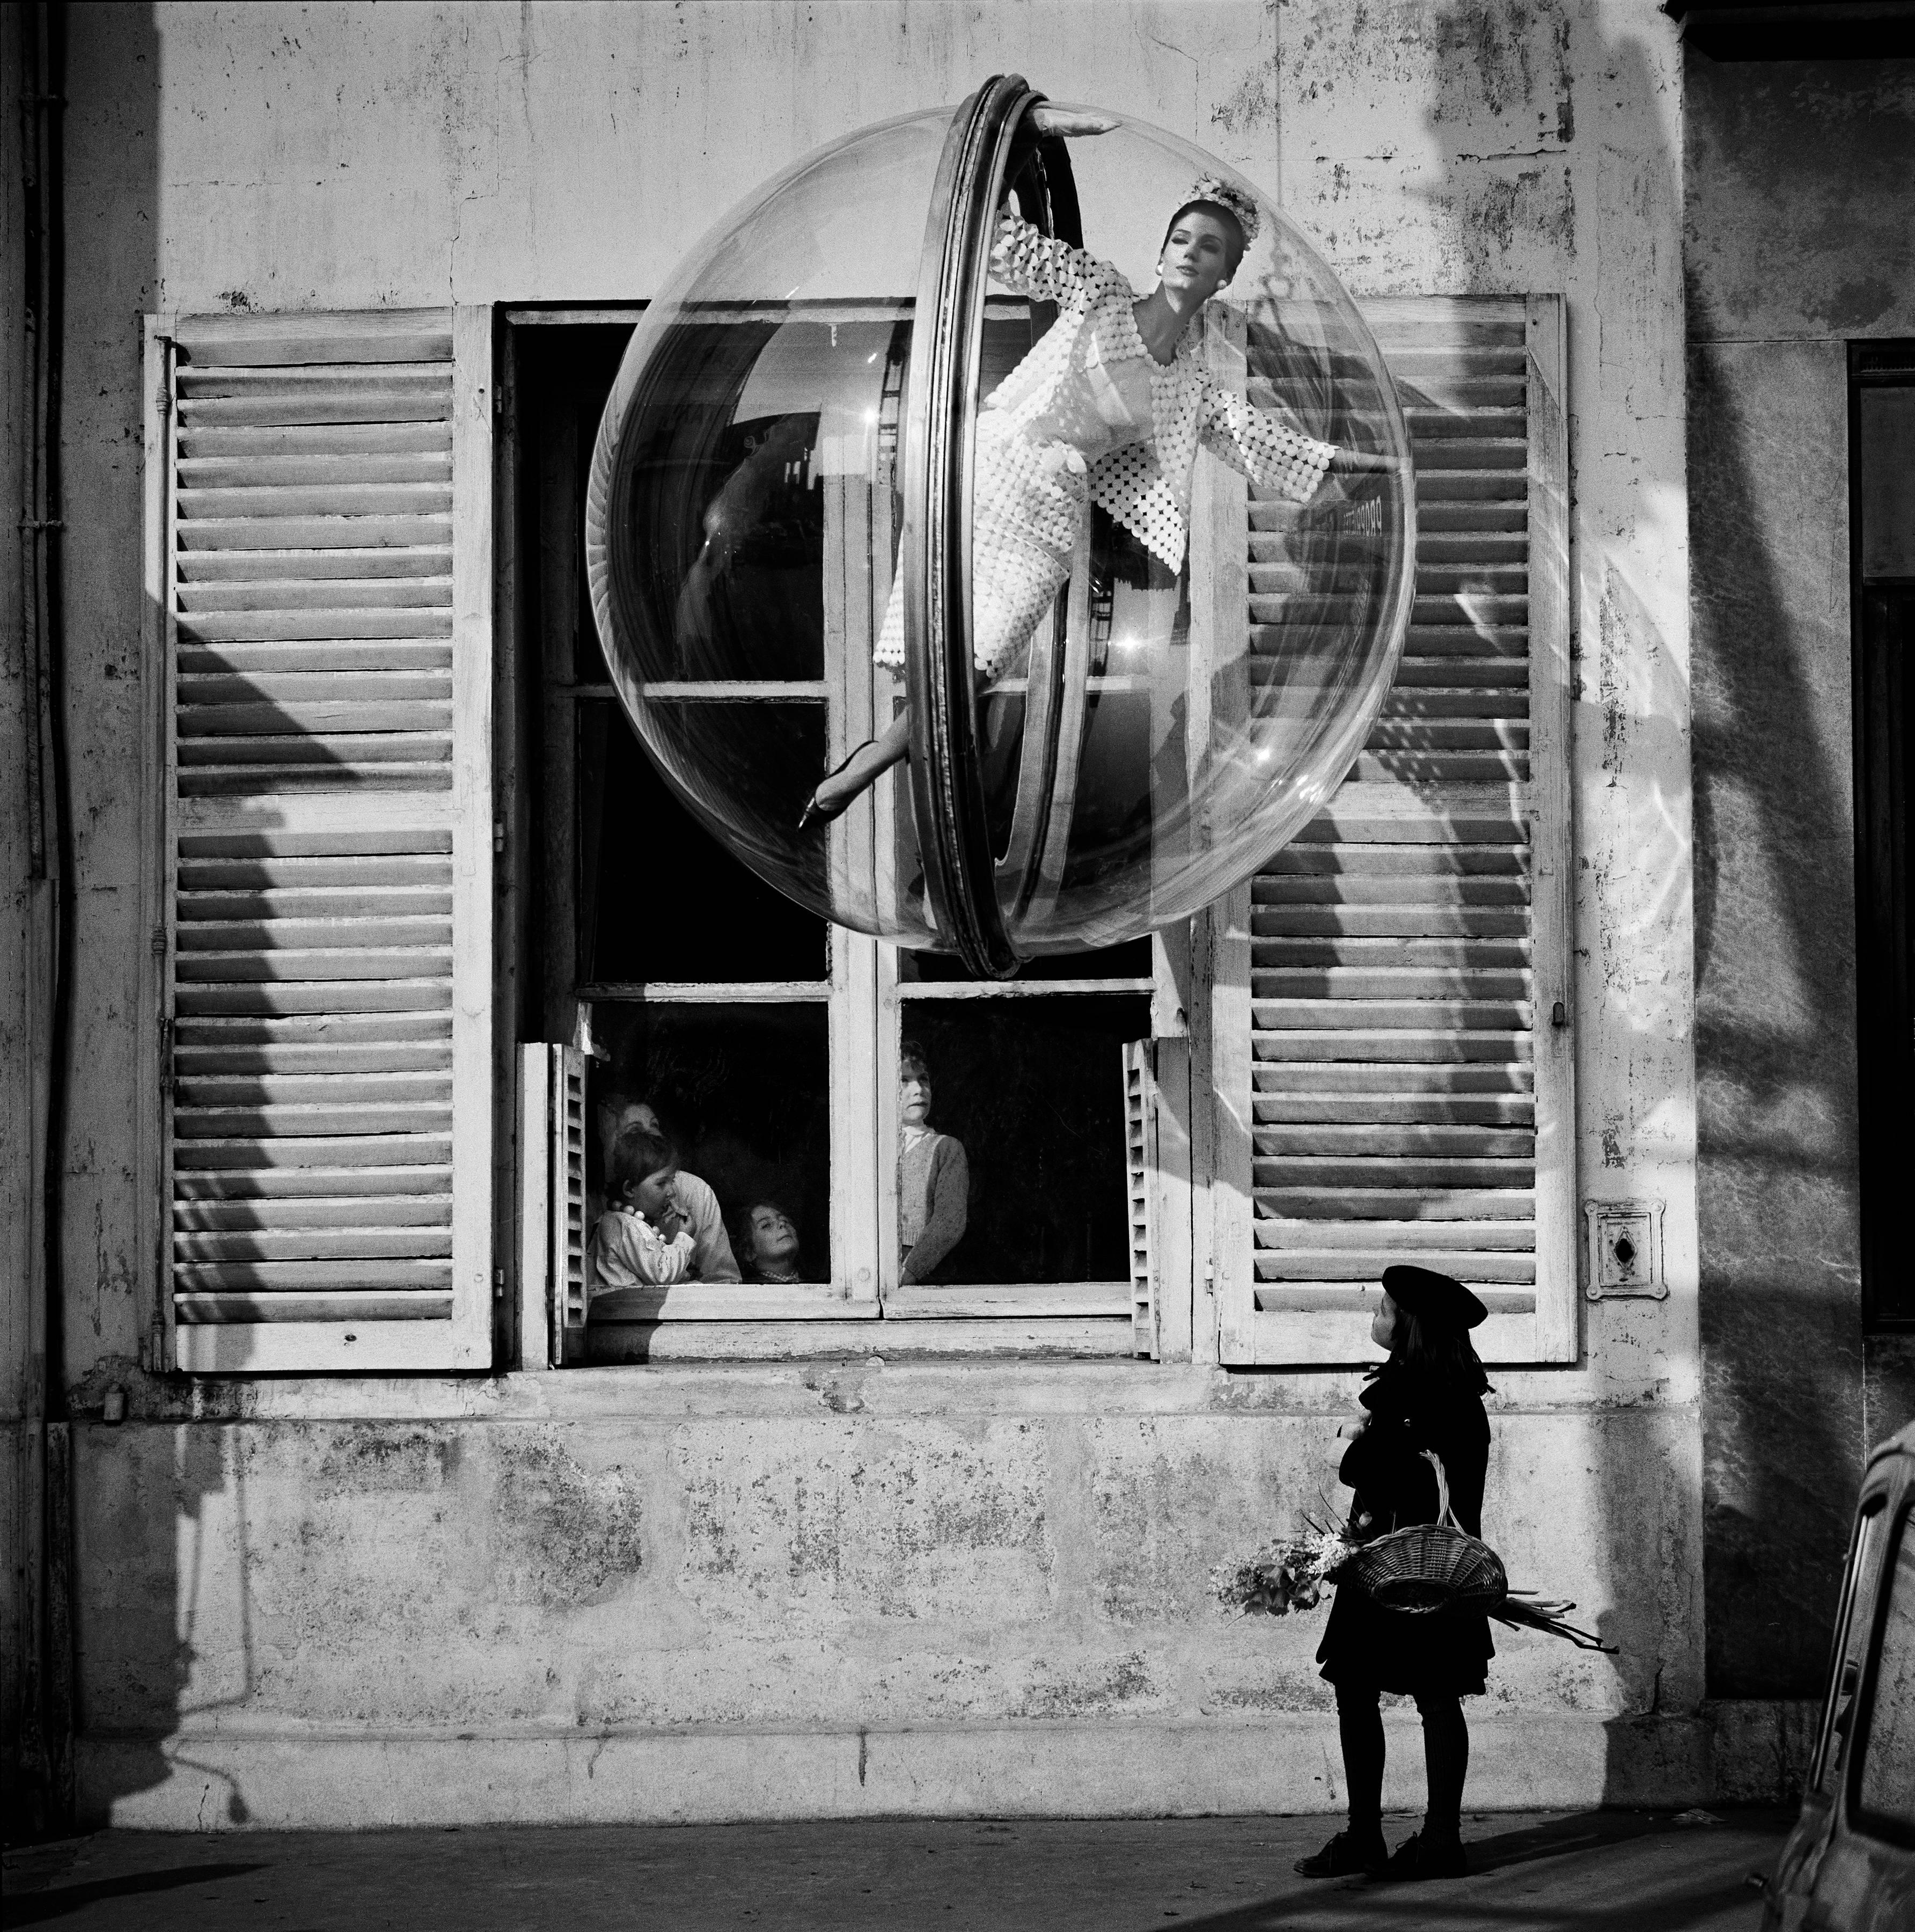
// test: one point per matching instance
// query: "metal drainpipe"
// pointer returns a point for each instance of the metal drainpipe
(46, 1686)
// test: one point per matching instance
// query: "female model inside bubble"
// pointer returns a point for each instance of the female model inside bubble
(1108, 408)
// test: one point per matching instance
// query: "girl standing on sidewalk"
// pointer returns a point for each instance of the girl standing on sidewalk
(1427, 1397)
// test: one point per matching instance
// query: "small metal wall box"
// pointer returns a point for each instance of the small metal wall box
(1624, 1244)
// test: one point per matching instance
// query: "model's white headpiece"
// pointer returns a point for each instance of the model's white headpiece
(1209, 187)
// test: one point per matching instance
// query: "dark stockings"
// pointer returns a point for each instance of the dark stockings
(1446, 1757)
(1359, 1724)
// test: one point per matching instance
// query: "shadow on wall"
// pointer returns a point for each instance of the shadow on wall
(122, 1560)
(1781, 1316)
(163, 1542)
(1632, 699)
(1785, 163)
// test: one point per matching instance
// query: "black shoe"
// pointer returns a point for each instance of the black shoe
(1345, 1855)
(1421, 1856)
(817, 813)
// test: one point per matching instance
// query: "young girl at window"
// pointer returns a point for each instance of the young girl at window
(1109, 407)
(711, 1257)
(933, 1177)
(1427, 1397)
(770, 1244)
(642, 1238)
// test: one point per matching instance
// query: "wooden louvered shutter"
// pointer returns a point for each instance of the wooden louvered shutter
(1392, 992)
(1140, 1164)
(322, 563)
(571, 1253)
(553, 1260)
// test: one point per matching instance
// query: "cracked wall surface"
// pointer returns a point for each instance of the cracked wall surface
(626, 1578)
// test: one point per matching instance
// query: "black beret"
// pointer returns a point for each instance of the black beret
(1438, 1298)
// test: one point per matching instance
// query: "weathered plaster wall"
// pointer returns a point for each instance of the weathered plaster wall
(1798, 208)
(24, 925)
(112, 214)
(1005, 1613)
(865, 1589)
(16, 1272)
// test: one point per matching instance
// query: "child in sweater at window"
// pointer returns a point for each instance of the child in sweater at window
(642, 1238)
(934, 1178)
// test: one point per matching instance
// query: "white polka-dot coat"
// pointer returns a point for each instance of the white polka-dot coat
(1146, 486)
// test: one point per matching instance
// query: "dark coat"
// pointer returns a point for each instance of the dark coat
(1395, 1650)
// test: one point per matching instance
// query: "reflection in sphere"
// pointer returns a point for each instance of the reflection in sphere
(903, 446)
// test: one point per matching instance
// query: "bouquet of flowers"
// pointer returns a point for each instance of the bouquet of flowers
(1283, 1576)
(1418, 1570)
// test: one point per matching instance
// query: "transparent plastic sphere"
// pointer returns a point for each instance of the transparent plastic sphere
(1134, 662)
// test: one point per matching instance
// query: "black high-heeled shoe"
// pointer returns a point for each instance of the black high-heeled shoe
(816, 813)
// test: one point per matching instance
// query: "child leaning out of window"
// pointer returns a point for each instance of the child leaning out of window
(642, 1237)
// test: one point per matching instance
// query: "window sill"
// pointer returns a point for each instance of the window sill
(1023, 1300)
(895, 1338)
(756, 1301)
(728, 1301)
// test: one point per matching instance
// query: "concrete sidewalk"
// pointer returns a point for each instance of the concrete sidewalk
(1597, 1871)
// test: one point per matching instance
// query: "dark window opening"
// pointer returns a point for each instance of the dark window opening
(1131, 961)
(659, 898)
(744, 1095)
(1033, 1087)
(632, 889)
(1882, 539)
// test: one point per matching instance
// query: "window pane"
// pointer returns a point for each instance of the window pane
(1888, 482)
(564, 374)
(1131, 961)
(1033, 1089)
(722, 530)
(660, 899)
(1888, 1754)
(1853, 1643)
(743, 1092)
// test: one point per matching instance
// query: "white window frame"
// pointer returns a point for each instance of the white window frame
(863, 1303)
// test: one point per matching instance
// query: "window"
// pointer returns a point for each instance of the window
(1853, 1624)
(318, 495)
(767, 1043)
(1885, 1783)
(1882, 537)
(1380, 1017)
(1390, 1046)
(1028, 1076)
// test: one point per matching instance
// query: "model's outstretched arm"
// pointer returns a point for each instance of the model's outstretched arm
(1268, 447)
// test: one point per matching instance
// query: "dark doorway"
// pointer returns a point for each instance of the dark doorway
(1882, 540)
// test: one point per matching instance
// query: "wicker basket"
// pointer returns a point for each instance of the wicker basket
(1430, 1566)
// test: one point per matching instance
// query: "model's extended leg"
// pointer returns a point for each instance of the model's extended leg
(863, 769)
(1029, 514)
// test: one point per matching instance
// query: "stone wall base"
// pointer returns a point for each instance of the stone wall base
(229, 1779)
(1761, 1748)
